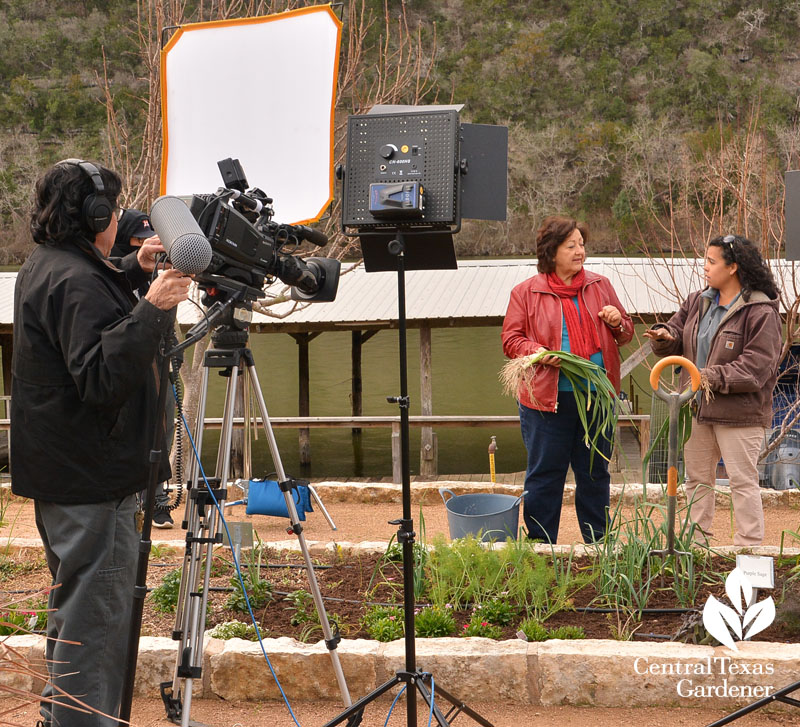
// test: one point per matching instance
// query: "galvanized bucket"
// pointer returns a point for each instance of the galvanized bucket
(490, 516)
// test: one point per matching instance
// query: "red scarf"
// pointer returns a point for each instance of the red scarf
(583, 340)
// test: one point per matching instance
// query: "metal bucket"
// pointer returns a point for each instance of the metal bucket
(493, 517)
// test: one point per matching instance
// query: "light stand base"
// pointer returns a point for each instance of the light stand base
(423, 683)
(779, 696)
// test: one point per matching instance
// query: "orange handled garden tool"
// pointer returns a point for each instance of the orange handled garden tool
(674, 401)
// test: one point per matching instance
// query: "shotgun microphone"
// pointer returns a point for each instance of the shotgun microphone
(187, 247)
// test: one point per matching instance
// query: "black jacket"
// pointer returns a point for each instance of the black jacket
(84, 377)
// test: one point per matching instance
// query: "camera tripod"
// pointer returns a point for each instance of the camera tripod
(231, 355)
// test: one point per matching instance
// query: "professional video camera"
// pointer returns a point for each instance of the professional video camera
(231, 244)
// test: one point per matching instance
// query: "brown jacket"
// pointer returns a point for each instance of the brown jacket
(742, 364)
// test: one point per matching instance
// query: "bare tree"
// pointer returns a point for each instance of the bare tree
(396, 69)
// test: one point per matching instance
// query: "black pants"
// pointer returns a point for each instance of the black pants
(556, 440)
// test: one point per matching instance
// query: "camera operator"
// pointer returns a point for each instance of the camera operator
(83, 413)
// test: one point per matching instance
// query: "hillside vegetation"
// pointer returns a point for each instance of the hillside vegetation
(658, 122)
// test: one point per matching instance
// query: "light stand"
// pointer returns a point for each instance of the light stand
(404, 196)
(779, 696)
(413, 679)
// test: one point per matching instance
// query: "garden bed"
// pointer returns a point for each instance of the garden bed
(359, 588)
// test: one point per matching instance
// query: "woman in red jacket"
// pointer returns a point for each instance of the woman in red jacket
(563, 308)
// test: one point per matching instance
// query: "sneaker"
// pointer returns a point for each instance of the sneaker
(162, 518)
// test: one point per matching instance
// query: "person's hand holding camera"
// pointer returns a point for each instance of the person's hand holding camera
(147, 254)
(168, 289)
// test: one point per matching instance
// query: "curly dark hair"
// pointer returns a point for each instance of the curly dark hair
(752, 269)
(553, 231)
(56, 218)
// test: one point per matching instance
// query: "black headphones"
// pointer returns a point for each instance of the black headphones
(97, 211)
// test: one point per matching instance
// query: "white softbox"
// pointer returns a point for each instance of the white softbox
(261, 90)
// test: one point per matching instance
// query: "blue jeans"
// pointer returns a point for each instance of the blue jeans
(555, 440)
(91, 551)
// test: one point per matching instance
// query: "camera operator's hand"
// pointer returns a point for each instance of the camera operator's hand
(148, 253)
(168, 289)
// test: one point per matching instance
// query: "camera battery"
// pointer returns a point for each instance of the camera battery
(398, 199)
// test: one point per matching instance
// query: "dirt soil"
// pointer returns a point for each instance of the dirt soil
(362, 522)
(351, 581)
(216, 712)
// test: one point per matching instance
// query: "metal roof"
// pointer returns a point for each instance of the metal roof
(476, 294)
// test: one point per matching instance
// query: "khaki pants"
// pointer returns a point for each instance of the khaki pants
(739, 447)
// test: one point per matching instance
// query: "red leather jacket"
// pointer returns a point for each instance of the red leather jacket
(534, 319)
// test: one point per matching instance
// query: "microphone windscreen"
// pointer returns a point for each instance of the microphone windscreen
(187, 247)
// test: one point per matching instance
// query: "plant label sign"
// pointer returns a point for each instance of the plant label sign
(241, 535)
(758, 569)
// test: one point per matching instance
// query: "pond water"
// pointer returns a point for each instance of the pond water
(465, 363)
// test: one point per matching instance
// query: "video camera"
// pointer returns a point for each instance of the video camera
(231, 244)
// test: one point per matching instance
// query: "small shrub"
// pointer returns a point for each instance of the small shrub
(496, 611)
(301, 607)
(433, 622)
(165, 596)
(234, 630)
(384, 623)
(259, 593)
(478, 627)
(533, 630)
(567, 632)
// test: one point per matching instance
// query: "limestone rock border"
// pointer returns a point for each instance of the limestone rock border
(591, 672)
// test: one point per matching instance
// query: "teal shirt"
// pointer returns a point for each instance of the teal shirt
(563, 381)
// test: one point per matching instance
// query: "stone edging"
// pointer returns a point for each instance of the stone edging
(591, 672)
(427, 492)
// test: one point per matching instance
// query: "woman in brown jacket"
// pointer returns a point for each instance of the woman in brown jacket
(732, 333)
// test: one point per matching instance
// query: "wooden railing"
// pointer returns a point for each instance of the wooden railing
(638, 421)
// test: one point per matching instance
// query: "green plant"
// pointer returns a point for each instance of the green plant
(567, 632)
(234, 630)
(435, 622)
(595, 395)
(165, 596)
(161, 551)
(314, 627)
(384, 623)
(301, 602)
(497, 611)
(533, 630)
(477, 626)
(259, 590)
(24, 618)
(467, 572)
(392, 561)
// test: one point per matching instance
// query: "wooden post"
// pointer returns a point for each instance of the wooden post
(428, 456)
(304, 393)
(359, 338)
(356, 381)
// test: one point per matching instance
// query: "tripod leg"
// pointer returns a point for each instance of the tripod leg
(202, 533)
(458, 705)
(330, 641)
(191, 560)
